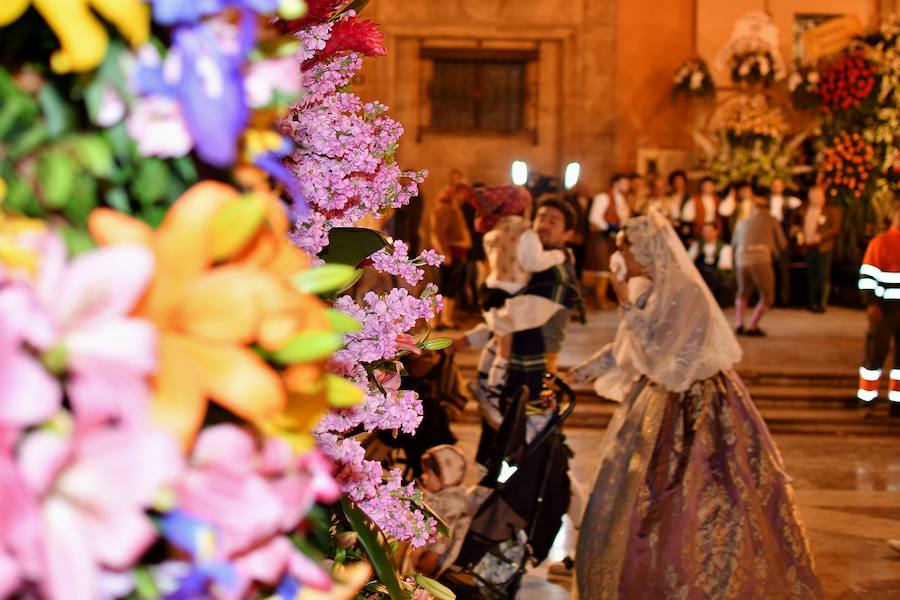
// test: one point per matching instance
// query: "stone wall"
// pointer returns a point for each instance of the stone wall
(573, 79)
(601, 84)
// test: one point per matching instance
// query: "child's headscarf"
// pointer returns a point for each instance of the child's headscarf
(492, 204)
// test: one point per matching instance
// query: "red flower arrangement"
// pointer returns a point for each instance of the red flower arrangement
(846, 165)
(847, 82)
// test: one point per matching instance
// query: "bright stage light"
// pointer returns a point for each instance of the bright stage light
(573, 172)
(519, 172)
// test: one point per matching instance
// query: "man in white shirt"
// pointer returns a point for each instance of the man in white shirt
(701, 210)
(782, 206)
(609, 210)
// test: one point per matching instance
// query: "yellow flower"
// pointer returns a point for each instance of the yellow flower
(81, 35)
(16, 253)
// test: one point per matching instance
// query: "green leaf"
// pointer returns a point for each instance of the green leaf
(151, 183)
(82, 200)
(77, 240)
(117, 198)
(437, 344)
(325, 279)
(59, 115)
(56, 172)
(352, 245)
(342, 322)
(307, 347)
(438, 590)
(27, 141)
(20, 198)
(94, 154)
(378, 557)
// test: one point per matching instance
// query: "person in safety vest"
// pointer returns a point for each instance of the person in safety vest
(879, 282)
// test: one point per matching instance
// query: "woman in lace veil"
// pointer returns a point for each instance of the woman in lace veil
(691, 500)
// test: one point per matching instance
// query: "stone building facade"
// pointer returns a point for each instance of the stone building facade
(595, 78)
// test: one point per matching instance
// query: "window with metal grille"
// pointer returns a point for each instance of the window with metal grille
(478, 90)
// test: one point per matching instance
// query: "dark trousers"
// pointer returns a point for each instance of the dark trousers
(818, 275)
(879, 336)
(783, 278)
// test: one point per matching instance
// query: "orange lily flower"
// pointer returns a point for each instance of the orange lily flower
(222, 283)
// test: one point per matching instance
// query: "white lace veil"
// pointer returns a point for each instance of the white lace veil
(680, 335)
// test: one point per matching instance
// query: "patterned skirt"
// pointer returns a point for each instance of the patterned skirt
(692, 503)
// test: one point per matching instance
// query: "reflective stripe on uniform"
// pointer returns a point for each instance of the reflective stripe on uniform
(895, 374)
(894, 395)
(879, 275)
(871, 374)
(867, 395)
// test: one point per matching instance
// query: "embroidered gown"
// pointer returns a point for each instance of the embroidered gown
(691, 501)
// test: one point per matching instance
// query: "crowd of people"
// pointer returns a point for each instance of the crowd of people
(755, 247)
(745, 240)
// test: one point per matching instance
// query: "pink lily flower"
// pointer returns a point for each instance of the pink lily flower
(30, 394)
(73, 506)
(252, 496)
(408, 343)
(107, 354)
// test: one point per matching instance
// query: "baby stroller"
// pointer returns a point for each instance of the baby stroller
(527, 493)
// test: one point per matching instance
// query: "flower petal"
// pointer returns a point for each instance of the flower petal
(238, 379)
(101, 396)
(182, 244)
(30, 394)
(70, 571)
(227, 447)
(9, 576)
(179, 399)
(221, 305)
(101, 284)
(109, 227)
(121, 344)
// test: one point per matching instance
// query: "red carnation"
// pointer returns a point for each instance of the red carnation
(351, 35)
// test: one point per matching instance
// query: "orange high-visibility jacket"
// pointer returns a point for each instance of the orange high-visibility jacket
(879, 275)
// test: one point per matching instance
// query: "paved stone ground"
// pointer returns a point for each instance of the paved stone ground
(796, 340)
(847, 487)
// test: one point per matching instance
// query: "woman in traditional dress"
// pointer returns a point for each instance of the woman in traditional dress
(692, 500)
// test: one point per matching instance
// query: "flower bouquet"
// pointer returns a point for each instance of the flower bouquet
(846, 165)
(803, 85)
(751, 55)
(693, 79)
(848, 83)
(753, 120)
(184, 388)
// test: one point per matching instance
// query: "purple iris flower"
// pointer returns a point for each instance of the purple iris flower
(273, 164)
(288, 589)
(193, 537)
(170, 12)
(202, 72)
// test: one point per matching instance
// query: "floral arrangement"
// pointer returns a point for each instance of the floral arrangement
(847, 83)
(750, 143)
(693, 79)
(753, 119)
(757, 162)
(184, 386)
(803, 85)
(751, 55)
(846, 166)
